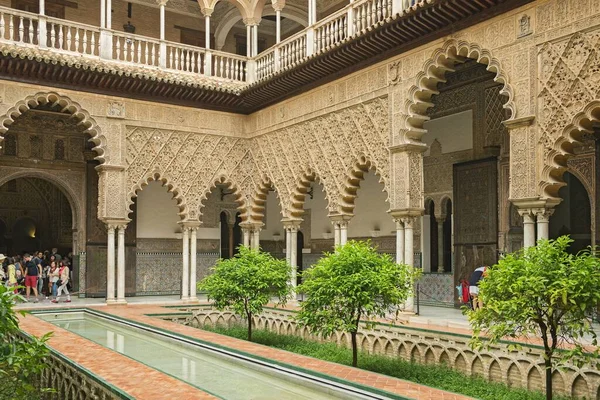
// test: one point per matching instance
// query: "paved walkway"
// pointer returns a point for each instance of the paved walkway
(146, 383)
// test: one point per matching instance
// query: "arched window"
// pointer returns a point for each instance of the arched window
(10, 145)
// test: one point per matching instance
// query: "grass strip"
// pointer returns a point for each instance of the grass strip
(436, 376)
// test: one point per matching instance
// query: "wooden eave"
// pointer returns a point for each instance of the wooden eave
(394, 36)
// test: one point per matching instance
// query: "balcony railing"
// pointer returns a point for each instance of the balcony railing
(39, 31)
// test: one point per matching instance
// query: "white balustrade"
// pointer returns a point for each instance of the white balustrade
(369, 13)
(331, 31)
(265, 64)
(72, 37)
(135, 49)
(18, 26)
(181, 57)
(229, 66)
(292, 51)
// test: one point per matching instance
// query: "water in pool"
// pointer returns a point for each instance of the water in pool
(220, 375)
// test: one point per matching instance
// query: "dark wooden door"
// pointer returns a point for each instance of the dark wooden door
(475, 216)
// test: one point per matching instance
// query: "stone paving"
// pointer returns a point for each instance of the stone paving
(146, 383)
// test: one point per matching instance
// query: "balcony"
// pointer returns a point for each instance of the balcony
(73, 55)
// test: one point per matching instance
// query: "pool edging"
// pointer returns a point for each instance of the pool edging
(316, 374)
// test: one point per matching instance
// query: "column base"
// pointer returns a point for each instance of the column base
(184, 299)
(191, 300)
(121, 301)
(111, 301)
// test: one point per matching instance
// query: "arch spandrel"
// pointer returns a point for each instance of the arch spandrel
(166, 182)
(568, 102)
(196, 209)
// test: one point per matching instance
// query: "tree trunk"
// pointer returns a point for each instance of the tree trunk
(354, 349)
(548, 364)
(249, 316)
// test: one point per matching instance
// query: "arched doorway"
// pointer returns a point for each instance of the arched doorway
(573, 215)
(38, 216)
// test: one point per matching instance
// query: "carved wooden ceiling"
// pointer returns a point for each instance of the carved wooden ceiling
(395, 37)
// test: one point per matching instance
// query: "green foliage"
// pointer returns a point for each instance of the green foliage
(21, 360)
(543, 292)
(352, 284)
(247, 282)
(437, 376)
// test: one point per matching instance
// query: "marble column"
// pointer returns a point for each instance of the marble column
(336, 234)
(102, 14)
(343, 232)
(288, 245)
(246, 236)
(248, 40)
(185, 273)
(440, 252)
(409, 256)
(121, 264)
(278, 26)
(207, 30)
(256, 238)
(110, 264)
(294, 257)
(108, 14)
(399, 241)
(193, 263)
(162, 20)
(528, 227)
(543, 222)
(254, 40)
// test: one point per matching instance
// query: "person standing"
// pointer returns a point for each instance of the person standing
(474, 280)
(12, 273)
(53, 276)
(31, 277)
(63, 272)
(39, 261)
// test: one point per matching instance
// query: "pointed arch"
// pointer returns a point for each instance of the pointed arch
(67, 106)
(166, 182)
(433, 72)
(557, 153)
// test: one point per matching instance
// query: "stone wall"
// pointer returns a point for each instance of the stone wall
(524, 368)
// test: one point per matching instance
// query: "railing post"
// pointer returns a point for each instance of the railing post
(398, 6)
(251, 71)
(106, 44)
(310, 42)
(208, 63)
(350, 21)
(276, 59)
(162, 54)
(42, 32)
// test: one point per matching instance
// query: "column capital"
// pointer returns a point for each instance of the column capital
(113, 224)
(207, 11)
(291, 224)
(190, 224)
(440, 219)
(162, 2)
(408, 222)
(406, 213)
(340, 218)
(543, 214)
(251, 21)
(278, 5)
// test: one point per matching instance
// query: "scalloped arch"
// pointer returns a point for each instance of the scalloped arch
(67, 106)
(255, 210)
(355, 175)
(556, 154)
(301, 189)
(443, 60)
(158, 177)
(237, 193)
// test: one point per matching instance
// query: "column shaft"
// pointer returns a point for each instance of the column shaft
(543, 223)
(102, 13)
(288, 245)
(193, 244)
(336, 234)
(278, 27)
(255, 40)
(162, 22)
(343, 233)
(246, 236)
(256, 244)
(294, 255)
(110, 265)
(185, 273)
(231, 244)
(108, 14)
(440, 232)
(42, 7)
(409, 256)
(399, 242)
(248, 41)
(121, 264)
(207, 30)
(528, 229)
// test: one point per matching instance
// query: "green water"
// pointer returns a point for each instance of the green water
(218, 374)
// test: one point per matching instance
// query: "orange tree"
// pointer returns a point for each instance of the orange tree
(545, 292)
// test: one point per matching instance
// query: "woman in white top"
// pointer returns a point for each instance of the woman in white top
(63, 272)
